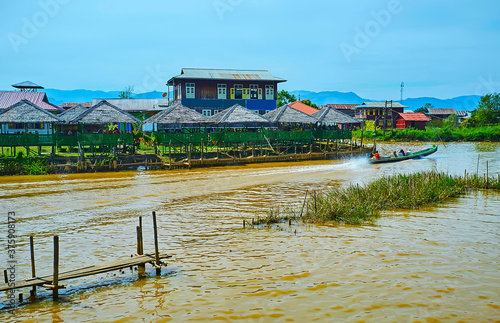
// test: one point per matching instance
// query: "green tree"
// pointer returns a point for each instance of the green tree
(309, 103)
(126, 93)
(488, 110)
(284, 98)
(425, 108)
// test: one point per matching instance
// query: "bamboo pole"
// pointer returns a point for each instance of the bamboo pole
(55, 291)
(33, 270)
(477, 167)
(157, 254)
(303, 204)
(170, 154)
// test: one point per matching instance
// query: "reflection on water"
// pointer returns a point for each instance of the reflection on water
(440, 263)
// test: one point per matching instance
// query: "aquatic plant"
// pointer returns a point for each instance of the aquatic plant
(355, 205)
(445, 133)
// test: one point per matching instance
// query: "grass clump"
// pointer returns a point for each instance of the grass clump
(357, 205)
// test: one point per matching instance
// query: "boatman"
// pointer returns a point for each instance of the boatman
(377, 156)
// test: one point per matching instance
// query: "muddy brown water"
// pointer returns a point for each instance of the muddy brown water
(436, 264)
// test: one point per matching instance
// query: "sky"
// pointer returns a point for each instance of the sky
(440, 49)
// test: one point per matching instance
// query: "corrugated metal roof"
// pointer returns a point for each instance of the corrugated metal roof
(380, 105)
(341, 106)
(225, 74)
(8, 98)
(134, 105)
(303, 107)
(414, 116)
(27, 84)
(442, 111)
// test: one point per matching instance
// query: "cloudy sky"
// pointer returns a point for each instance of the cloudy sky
(443, 48)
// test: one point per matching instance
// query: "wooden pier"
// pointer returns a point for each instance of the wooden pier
(52, 281)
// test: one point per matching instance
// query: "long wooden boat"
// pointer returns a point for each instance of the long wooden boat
(415, 155)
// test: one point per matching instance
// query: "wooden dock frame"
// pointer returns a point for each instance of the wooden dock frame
(52, 281)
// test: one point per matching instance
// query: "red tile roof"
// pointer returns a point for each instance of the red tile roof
(8, 98)
(414, 116)
(303, 107)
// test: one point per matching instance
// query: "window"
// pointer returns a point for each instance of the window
(254, 91)
(206, 112)
(189, 90)
(221, 91)
(269, 92)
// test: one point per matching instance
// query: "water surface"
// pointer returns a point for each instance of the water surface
(437, 264)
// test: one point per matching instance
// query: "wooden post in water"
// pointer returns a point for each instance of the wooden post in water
(362, 128)
(477, 167)
(55, 290)
(5, 276)
(33, 271)
(303, 204)
(170, 154)
(487, 174)
(157, 254)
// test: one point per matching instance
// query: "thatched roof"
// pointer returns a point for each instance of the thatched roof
(331, 115)
(289, 115)
(103, 113)
(238, 114)
(25, 111)
(177, 114)
(72, 113)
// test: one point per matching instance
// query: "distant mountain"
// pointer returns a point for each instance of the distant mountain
(58, 97)
(329, 97)
(468, 102)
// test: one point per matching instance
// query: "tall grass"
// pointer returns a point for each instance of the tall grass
(357, 205)
(445, 133)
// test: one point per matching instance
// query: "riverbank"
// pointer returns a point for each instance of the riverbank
(436, 134)
(90, 164)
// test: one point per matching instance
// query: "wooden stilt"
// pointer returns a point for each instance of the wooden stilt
(33, 270)
(55, 291)
(157, 254)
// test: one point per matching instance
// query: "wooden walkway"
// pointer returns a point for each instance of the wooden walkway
(86, 271)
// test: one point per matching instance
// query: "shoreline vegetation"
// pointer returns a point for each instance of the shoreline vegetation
(446, 133)
(362, 205)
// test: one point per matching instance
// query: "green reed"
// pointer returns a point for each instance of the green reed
(356, 205)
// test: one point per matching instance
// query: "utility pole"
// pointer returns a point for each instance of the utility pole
(402, 89)
(385, 116)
